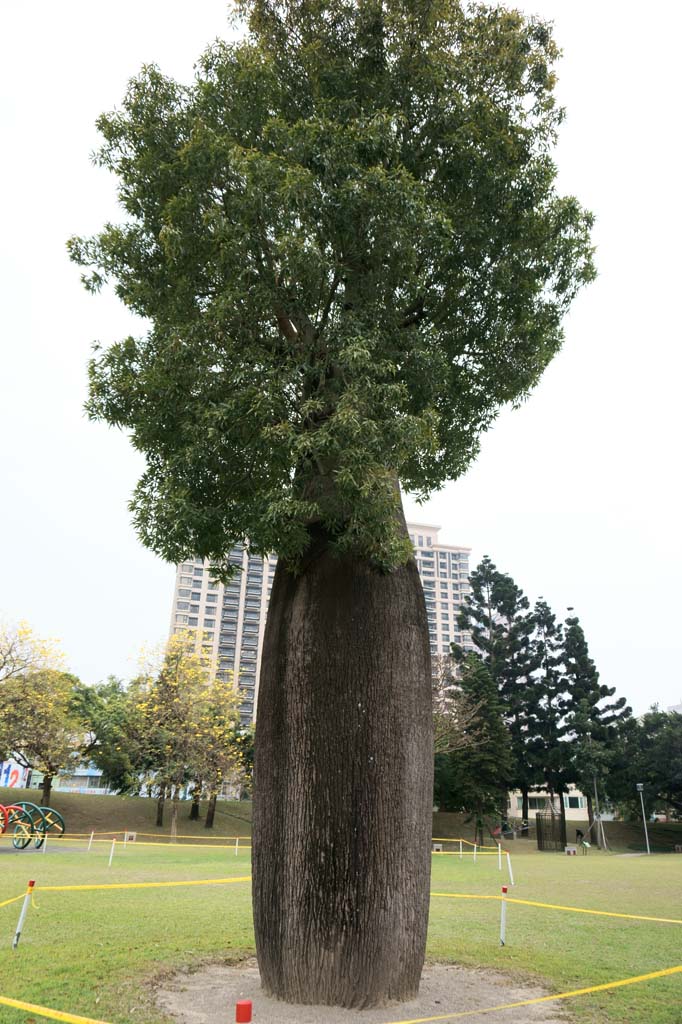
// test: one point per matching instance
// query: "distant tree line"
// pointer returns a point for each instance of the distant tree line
(527, 711)
(543, 719)
(172, 727)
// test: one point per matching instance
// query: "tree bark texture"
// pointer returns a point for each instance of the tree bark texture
(175, 803)
(210, 810)
(196, 800)
(47, 790)
(161, 800)
(593, 833)
(343, 784)
(524, 813)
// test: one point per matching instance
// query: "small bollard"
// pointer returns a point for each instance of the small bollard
(22, 915)
(243, 1011)
(503, 916)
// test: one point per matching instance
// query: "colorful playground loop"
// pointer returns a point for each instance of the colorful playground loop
(27, 822)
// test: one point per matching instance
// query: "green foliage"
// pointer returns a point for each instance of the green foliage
(475, 778)
(347, 239)
(563, 726)
(39, 725)
(106, 713)
(593, 725)
(548, 748)
(496, 614)
(650, 752)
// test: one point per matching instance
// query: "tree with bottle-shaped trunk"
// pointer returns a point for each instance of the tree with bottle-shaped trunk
(346, 240)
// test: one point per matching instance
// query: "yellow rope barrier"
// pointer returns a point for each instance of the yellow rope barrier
(556, 906)
(14, 899)
(546, 999)
(135, 842)
(143, 885)
(123, 831)
(72, 1018)
(466, 841)
(44, 1011)
(465, 853)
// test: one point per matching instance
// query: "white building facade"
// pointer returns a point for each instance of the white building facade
(231, 617)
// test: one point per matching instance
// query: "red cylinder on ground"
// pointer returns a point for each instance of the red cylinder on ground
(504, 888)
(243, 1011)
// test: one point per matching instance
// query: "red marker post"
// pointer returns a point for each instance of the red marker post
(243, 1011)
(503, 916)
(22, 915)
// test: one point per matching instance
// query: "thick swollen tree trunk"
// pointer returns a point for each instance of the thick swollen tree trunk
(343, 784)
(210, 811)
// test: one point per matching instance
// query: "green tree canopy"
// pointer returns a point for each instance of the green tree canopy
(109, 738)
(475, 778)
(592, 719)
(347, 239)
(39, 723)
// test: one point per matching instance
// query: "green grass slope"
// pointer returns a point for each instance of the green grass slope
(83, 813)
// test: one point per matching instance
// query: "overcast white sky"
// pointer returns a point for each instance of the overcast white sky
(577, 495)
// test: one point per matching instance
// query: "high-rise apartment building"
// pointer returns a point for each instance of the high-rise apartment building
(232, 616)
(444, 572)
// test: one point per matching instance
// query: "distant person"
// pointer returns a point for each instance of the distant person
(579, 836)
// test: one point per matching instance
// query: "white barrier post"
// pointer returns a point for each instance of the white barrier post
(503, 917)
(125, 839)
(45, 843)
(236, 847)
(499, 857)
(460, 849)
(509, 868)
(113, 847)
(90, 843)
(474, 853)
(22, 915)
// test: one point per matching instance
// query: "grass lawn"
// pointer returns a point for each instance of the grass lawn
(93, 953)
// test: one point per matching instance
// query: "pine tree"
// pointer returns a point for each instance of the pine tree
(592, 724)
(548, 748)
(475, 778)
(496, 614)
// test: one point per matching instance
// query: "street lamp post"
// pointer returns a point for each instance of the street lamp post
(640, 790)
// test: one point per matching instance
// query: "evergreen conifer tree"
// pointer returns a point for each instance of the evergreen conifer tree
(592, 724)
(548, 748)
(475, 779)
(497, 616)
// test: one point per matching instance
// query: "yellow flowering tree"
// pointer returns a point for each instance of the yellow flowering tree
(22, 651)
(179, 711)
(42, 730)
(218, 755)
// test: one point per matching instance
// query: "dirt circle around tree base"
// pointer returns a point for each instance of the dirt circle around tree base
(208, 996)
